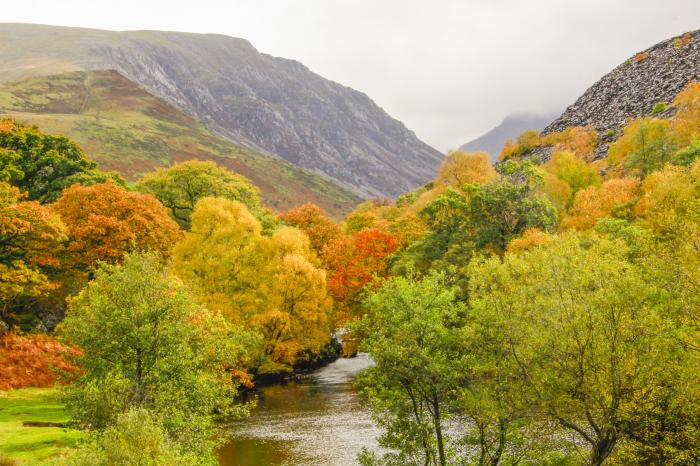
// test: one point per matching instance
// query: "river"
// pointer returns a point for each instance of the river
(320, 421)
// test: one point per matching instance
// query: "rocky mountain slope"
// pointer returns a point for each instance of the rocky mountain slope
(124, 128)
(511, 126)
(271, 104)
(643, 85)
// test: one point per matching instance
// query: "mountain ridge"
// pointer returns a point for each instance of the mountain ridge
(275, 105)
(126, 129)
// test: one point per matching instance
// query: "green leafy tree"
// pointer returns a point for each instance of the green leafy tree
(148, 345)
(180, 187)
(44, 165)
(413, 331)
(479, 218)
(585, 330)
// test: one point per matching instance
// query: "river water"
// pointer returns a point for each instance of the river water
(320, 421)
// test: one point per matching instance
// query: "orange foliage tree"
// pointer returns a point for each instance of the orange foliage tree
(686, 123)
(312, 220)
(33, 361)
(30, 237)
(594, 203)
(580, 140)
(352, 262)
(105, 221)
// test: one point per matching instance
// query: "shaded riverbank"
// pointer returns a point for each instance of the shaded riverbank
(320, 420)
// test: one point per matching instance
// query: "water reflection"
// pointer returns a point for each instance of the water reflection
(321, 421)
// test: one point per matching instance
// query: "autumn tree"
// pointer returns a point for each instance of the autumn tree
(480, 218)
(646, 145)
(524, 144)
(180, 186)
(31, 237)
(34, 361)
(613, 197)
(574, 172)
(44, 165)
(147, 344)
(686, 122)
(312, 220)
(269, 283)
(105, 221)
(460, 168)
(352, 263)
(579, 140)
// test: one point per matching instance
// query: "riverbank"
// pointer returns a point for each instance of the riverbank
(34, 445)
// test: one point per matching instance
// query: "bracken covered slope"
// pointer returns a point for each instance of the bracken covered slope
(633, 89)
(124, 128)
(271, 104)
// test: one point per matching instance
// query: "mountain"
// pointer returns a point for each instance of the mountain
(270, 104)
(124, 128)
(511, 126)
(643, 85)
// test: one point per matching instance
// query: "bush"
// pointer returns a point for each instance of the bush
(658, 108)
(138, 438)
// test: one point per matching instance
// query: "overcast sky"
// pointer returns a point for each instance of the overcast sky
(449, 69)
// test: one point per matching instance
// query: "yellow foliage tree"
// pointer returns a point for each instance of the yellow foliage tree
(646, 145)
(666, 197)
(269, 283)
(460, 168)
(569, 175)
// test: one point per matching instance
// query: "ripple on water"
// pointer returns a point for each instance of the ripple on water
(319, 422)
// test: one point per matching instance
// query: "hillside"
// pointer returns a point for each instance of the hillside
(126, 129)
(271, 104)
(650, 79)
(511, 126)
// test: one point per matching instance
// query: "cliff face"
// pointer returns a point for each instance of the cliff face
(124, 128)
(271, 104)
(633, 89)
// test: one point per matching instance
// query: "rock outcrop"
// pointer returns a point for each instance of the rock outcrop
(270, 104)
(643, 85)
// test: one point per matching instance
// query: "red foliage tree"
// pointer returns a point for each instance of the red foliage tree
(352, 262)
(312, 220)
(33, 361)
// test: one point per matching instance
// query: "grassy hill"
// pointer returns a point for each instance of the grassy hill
(124, 128)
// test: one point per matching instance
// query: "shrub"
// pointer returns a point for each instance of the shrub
(137, 438)
(682, 41)
(658, 108)
(640, 57)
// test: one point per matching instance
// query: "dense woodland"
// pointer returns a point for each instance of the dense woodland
(535, 312)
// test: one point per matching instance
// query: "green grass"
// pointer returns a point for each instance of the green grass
(34, 445)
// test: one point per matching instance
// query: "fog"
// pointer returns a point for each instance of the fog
(448, 69)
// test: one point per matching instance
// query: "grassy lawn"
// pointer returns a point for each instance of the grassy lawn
(34, 445)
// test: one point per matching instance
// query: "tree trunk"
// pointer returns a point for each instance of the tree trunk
(602, 449)
(438, 431)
